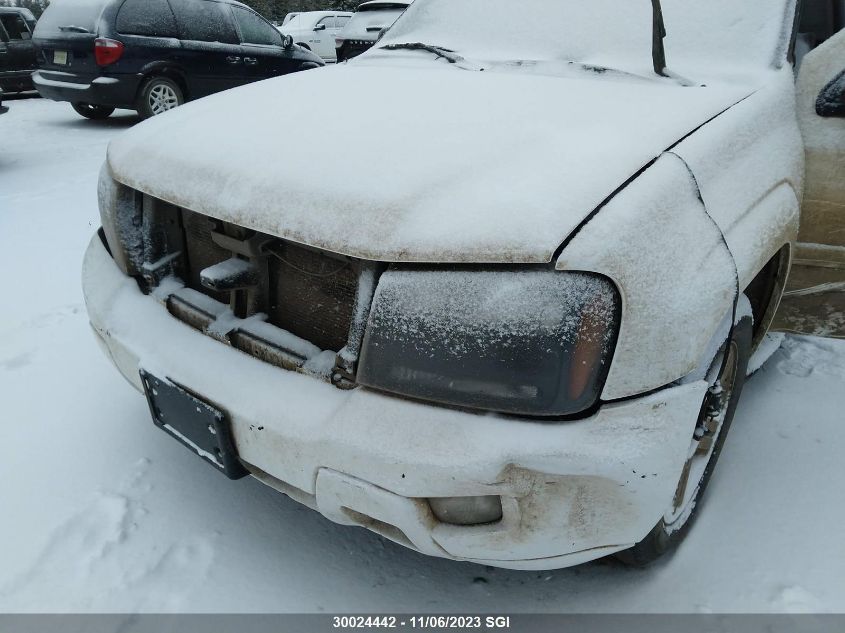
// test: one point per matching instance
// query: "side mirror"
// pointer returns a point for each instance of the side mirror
(320, 27)
(831, 101)
(287, 41)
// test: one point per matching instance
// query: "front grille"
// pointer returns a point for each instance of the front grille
(353, 48)
(303, 291)
(202, 252)
(312, 295)
(298, 308)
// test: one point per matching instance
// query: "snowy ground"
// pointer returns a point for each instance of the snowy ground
(103, 512)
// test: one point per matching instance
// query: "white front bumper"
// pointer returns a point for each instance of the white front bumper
(571, 491)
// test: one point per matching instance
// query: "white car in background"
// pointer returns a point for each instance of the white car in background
(367, 25)
(316, 30)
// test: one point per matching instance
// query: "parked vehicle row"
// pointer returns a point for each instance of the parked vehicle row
(17, 51)
(316, 31)
(154, 55)
(339, 36)
(366, 26)
(516, 330)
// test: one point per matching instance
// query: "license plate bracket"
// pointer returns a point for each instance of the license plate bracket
(199, 426)
(60, 58)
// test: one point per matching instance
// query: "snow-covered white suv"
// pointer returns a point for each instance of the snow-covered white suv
(511, 327)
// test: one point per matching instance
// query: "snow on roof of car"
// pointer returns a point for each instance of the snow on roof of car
(383, 4)
(608, 33)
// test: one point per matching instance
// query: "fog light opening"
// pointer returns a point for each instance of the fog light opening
(467, 511)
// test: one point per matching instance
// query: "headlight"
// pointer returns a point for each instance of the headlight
(122, 222)
(528, 342)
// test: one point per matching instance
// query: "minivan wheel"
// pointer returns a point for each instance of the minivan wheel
(726, 378)
(90, 111)
(159, 95)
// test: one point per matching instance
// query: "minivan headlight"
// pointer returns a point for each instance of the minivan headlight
(531, 342)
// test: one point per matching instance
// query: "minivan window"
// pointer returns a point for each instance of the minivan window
(254, 30)
(205, 21)
(82, 14)
(15, 27)
(152, 18)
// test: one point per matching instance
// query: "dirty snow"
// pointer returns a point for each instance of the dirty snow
(103, 512)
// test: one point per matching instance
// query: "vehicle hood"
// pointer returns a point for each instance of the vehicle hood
(413, 163)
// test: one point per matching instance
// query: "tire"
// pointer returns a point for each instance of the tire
(93, 112)
(731, 360)
(158, 95)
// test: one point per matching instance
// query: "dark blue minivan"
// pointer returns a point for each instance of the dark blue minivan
(153, 55)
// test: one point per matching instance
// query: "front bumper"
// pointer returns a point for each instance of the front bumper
(571, 492)
(118, 92)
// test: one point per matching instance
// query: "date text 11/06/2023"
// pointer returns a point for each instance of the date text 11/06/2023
(435, 622)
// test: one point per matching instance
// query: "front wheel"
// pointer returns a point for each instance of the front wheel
(159, 95)
(94, 112)
(726, 378)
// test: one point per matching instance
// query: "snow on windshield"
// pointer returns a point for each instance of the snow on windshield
(736, 33)
(501, 30)
(81, 13)
(611, 33)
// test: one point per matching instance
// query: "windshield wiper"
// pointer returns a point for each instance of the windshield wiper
(658, 50)
(445, 53)
(74, 29)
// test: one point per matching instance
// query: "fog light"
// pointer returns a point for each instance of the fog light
(467, 510)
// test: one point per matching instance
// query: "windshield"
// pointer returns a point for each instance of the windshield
(64, 13)
(603, 33)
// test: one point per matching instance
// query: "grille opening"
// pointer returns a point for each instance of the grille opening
(304, 292)
(311, 295)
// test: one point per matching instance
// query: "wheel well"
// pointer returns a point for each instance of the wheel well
(170, 73)
(765, 291)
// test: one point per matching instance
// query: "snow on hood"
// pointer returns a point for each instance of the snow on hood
(429, 163)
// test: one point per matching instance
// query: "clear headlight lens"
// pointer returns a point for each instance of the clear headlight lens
(532, 342)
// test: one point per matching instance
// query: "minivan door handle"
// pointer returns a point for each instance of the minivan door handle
(233, 59)
(250, 61)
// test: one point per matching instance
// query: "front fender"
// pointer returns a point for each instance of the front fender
(675, 274)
